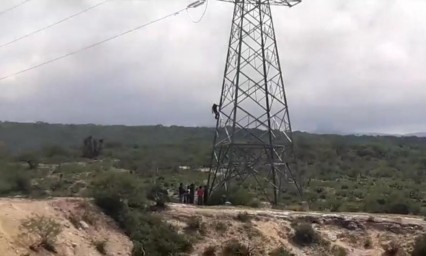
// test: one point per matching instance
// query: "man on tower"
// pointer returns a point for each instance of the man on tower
(215, 111)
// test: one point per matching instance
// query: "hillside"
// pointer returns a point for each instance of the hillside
(75, 239)
(264, 230)
(261, 231)
(340, 173)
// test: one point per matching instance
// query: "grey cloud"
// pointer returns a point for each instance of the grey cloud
(348, 66)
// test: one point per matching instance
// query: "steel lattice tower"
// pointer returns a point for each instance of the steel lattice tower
(253, 138)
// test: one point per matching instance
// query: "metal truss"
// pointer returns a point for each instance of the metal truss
(253, 139)
(288, 3)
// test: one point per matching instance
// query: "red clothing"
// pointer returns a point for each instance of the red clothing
(200, 192)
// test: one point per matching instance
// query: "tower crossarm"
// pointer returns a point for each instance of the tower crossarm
(288, 3)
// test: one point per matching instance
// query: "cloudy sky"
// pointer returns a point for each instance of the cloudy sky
(349, 66)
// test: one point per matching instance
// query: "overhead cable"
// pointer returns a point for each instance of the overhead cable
(14, 7)
(53, 24)
(196, 4)
(96, 44)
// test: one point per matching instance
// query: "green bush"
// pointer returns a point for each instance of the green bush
(305, 235)
(13, 180)
(41, 229)
(31, 158)
(237, 196)
(419, 246)
(116, 192)
(153, 236)
(235, 248)
(122, 197)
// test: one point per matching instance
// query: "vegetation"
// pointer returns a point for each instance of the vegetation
(123, 198)
(379, 174)
(220, 227)
(42, 231)
(101, 246)
(136, 166)
(339, 251)
(235, 248)
(420, 246)
(392, 249)
(280, 251)
(195, 224)
(368, 243)
(210, 251)
(243, 217)
(305, 235)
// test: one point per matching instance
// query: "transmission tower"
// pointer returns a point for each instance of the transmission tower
(253, 140)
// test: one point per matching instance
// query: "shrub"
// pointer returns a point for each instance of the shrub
(368, 244)
(305, 235)
(30, 158)
(243, 217)
(210, 251)
(42, 230)
(14, 179)
(339, 251)
(280, 251)
(196, 224)
(116, 192)
(221, 227)
(101, 246)
(420, 246)
(236, 196)
(392, 249)
(235, 248)
(75, 220)
(152, 235)
(158, 194)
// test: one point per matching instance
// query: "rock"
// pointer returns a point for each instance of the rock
(352, 226)
(332, 237)
(74, 245)
(84, 225)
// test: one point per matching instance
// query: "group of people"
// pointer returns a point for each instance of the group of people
(192, 194)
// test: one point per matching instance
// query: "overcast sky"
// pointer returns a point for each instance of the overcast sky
(349, 66)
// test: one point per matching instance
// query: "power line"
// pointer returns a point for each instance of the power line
(100, 42)
(202, 15)
(14, 7)
(53, 24)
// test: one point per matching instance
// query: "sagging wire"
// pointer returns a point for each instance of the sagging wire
(195, 5)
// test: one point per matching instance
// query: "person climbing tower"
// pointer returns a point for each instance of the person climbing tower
(215, 111)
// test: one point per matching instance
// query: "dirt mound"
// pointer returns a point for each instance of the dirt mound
(262, 231)
(82, 227)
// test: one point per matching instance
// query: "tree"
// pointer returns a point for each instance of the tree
(30, 158)
(92, 147)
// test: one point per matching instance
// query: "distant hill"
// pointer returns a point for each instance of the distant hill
(32, 136)
(419, 134)
(19, 137)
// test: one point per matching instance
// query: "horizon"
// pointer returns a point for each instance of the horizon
(420, 133)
